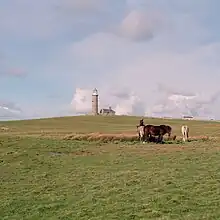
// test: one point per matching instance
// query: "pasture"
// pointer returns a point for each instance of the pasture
(90, 167)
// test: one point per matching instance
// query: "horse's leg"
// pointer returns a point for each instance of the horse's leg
(187, 135)
(143, 139)
(169, 134)
(184, 137)
(160, 138)
(146, 136)
(149, 137)
(140, 138)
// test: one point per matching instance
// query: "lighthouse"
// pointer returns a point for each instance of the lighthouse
(95, 102)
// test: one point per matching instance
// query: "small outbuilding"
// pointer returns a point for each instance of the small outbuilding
(187, 117)
(108, 111)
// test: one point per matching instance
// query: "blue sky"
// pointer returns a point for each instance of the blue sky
(51, 48)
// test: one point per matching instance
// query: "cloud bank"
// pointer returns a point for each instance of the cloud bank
(123, 48)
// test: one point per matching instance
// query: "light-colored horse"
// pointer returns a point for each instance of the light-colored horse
(185, 132)
(141, 133)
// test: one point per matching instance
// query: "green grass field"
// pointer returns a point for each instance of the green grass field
(45, 175)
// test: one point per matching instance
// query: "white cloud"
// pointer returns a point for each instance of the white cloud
(129, 106)
(140, 25)
(141, 69)
(82, 100)
(9, 110)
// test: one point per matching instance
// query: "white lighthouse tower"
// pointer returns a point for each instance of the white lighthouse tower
(95, 102)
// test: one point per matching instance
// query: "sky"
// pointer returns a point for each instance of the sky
(147, 58)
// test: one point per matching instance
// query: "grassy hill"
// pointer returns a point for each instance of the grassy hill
(43, 175)
(88, 124)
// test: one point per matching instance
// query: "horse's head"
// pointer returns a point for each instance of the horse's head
(167, 129)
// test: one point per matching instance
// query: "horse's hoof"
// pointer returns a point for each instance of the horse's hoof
(144, 142)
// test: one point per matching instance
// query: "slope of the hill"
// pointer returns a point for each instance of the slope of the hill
(51, 178)
(89, 124)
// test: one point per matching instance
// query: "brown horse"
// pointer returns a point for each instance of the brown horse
(167, 129)
(159, 130)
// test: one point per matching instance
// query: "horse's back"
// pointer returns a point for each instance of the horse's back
(148, 127)
(153, 129)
